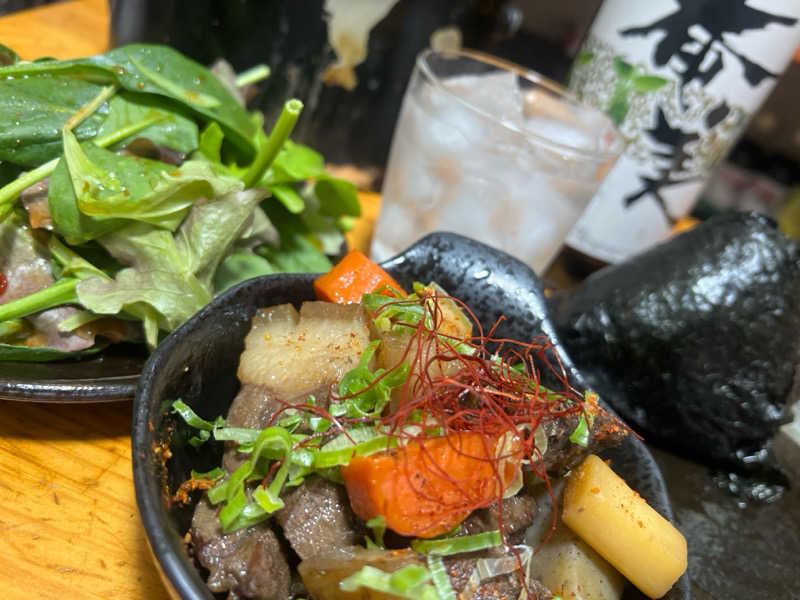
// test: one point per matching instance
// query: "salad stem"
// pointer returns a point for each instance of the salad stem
(61, 292)
(269, 150)
(90, 107)
(252, 75)
(128, 130)
(10, 191)
(11, 327)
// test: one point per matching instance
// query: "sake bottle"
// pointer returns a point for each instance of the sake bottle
(680, 79)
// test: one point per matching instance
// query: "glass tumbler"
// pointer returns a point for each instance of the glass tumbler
(494, 151)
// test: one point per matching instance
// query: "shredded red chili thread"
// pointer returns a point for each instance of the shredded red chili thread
(3, 283)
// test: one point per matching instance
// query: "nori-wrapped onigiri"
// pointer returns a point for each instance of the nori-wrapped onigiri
(695, 342)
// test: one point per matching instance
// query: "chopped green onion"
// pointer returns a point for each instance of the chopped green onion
(319, 424)
(252, 75)
(232, 490)
(241, 435)
(378, 526)
(297, 474)
(191, 417)
(409, 578)
(366, 393)
(225, 490)
(213, 474)
(324, 459)
(232, 509)
(302, 457)
(269, 502)
(457, 545)
(291, 420)
(580, 434)
(409, 582)
(198, 440)
(440, 578)
(394, 315)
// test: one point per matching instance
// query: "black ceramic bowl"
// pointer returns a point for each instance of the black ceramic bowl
(198, 363)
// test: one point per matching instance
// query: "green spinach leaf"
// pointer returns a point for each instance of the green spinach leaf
(298, 251)
(295, 162)
(164, 71)
(68, 220)
(152, 69)
(238, 266)
(34, 110)
(337, 197)
(173, 129)
(211, 142)
(287, 195)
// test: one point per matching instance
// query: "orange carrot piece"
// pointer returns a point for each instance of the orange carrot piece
(426, 488)
(352, 277)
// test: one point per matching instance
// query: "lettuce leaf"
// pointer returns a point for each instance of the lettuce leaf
(170, 276)
(212, 228)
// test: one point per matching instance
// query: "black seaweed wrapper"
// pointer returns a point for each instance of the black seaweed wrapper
(695, 342)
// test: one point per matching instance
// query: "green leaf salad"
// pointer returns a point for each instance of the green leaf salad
(134, 187)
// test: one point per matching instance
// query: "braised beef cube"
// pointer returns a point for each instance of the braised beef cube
(248, 563)
(255, 407)
(317, 518)
(517, 515)
(467, 584)
(605, 431)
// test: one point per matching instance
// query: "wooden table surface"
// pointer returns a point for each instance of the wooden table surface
(69, 527)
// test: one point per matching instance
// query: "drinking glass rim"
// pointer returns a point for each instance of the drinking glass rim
(530, 75)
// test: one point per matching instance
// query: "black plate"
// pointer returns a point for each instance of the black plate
(198, 362)
(110, 376)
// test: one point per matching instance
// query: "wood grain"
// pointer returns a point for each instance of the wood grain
(62, 30)
(69, 527)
